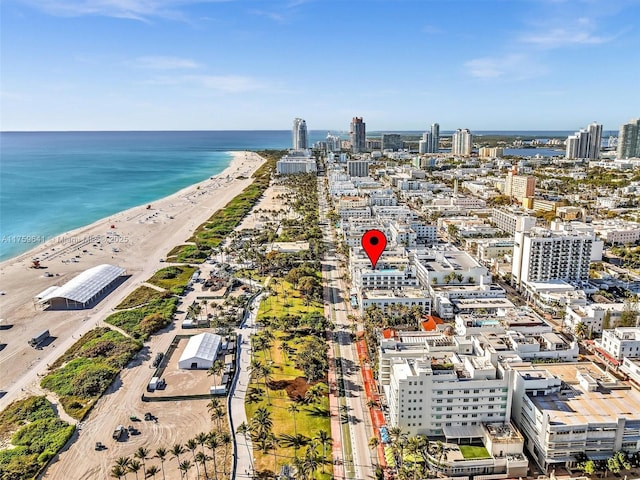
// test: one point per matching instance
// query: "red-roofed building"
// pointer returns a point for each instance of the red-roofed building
(431, 323)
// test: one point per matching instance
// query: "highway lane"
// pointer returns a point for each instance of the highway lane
(354, 414)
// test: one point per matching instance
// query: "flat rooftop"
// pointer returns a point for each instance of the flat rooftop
(404, 293)
(579, 407)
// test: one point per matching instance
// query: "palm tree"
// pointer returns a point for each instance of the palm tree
(372, 404)
(123, 462)
(580, 330)
(118, 472)
(152, 471)
(295, 441)
(201, 458)
(225, 441)
(201, 438)
(184, 467)
(293, 408)
(191, 446)
(373, 442)
(261, 422)
(324, 439)
(217, 415)
(312, 462)
(142, 454)
(215, 370)
(213, 404)
(161, 454)
(244, 430)
(316, 392)
(212, 443)
(135, 466)
(176, 451)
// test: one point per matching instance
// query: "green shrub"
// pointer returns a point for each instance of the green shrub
(36, 442)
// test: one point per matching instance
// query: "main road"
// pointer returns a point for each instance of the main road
(357, 459)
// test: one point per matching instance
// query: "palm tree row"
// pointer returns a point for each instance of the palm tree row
(212, 440)
(260, 430)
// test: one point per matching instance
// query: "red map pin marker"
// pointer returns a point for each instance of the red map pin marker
(374, 242)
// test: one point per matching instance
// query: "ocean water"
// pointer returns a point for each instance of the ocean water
(52, 182)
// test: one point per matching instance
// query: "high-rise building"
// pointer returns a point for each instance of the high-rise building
(333, 142)
(358, 168)
(462, 142)
(435, 138)
(430, 142)
(519, 186)
(540, 255)
(392, 141)
(300, 139)
(585, 143)
(358, 135)
(629, 139)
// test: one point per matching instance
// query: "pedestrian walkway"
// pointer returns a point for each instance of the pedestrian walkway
(334, 412)
(242, 445)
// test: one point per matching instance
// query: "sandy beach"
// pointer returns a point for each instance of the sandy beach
(136, 239)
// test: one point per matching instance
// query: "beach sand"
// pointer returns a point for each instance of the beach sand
(135, 239)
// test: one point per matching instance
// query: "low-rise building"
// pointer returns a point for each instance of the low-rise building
(620, 342)
(593, 316)
(564, 410)
(386, 300)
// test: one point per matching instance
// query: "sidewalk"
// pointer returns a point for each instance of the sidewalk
(242, 446)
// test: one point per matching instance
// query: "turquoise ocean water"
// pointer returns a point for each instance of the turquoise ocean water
(52, 182)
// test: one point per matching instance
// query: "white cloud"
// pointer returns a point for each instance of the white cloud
(562, 37)
(276, 17)
(514, 67)
(228, 83)
(166, 63)
(142, 10)
(219, 83)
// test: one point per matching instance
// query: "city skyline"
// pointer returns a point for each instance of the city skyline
(230, 65)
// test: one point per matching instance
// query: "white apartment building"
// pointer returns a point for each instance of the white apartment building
(462, 142)
(443, 265)
(491, 249)
(296, 162)
(567, 409)
(619, 232)
(593, 316)
(436, 394)
(620, 342)
(384, 198)
(631, 368)
(347, 202)
(523, 320)
(512, 221)
(358, 168)
(540, 255)
(442, 296)
(386, 299)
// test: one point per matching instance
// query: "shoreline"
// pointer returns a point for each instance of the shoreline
(234, 156)
(139, 242)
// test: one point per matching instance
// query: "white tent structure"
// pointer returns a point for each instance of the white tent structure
(200, 352)
(82, 290)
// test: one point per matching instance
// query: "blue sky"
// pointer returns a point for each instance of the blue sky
(200, 65)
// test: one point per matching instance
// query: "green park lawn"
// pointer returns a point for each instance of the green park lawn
(286, 300)
(308, 421)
